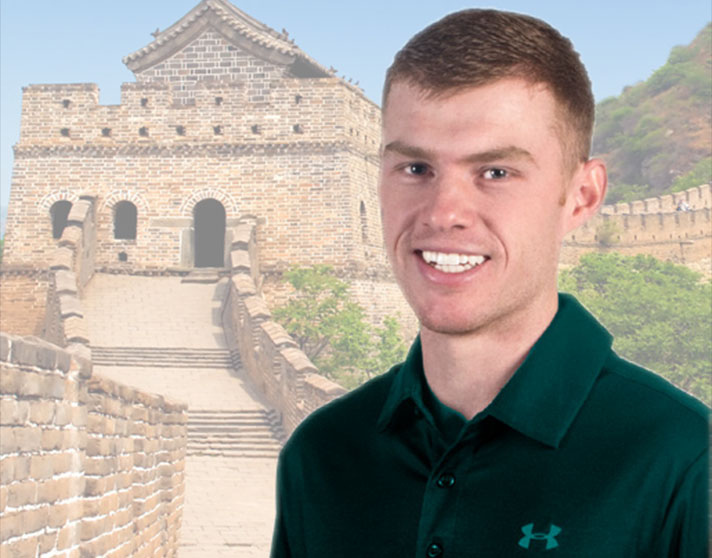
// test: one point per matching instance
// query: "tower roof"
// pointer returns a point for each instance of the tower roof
(237, 27)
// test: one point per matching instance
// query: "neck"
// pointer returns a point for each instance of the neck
(466, 371)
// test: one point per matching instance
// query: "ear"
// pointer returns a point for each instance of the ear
(588, 190)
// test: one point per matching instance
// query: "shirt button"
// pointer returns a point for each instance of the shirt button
(434, 550)
(417, 412)
(446, 480)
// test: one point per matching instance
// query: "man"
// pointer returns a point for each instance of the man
(511, 429)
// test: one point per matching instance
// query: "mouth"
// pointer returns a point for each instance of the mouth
(452, 262)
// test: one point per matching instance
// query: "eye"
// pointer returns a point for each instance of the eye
(496, 174)
(417, 169)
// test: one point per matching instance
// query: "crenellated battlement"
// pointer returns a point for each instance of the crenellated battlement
(698, 197)
(293, 111)
(653, 226)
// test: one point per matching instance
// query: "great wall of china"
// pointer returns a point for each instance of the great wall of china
(112, 423)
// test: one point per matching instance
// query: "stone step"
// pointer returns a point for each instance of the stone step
(203, 275)
(231, 444)
(236, 453)
(234, 433)
(165, 357)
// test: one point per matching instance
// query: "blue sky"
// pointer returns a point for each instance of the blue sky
(75, 41)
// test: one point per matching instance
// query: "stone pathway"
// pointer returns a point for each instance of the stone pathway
(229, 498)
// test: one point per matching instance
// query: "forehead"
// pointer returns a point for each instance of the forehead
(504, 103)
(508, 111)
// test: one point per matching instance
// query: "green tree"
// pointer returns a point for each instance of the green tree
(333, 330)
(701, 173)
(659, 313)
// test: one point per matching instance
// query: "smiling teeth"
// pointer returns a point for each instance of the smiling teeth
(452, 263)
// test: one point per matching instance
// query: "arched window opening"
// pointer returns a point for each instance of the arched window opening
(209, 225)
(59, 213)
(364, 223)
(125, 220)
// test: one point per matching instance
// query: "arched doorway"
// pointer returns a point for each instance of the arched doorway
(59, 212)
(209, 226)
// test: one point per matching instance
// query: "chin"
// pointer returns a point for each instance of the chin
(452, 324)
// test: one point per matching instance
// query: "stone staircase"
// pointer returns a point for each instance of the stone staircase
(235, 433)
(165, 357)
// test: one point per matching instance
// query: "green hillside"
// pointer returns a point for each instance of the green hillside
(657, 135)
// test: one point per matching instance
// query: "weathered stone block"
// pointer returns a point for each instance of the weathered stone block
(31, 385)
(24, 352)
(75, 329)
(52, 439)
(277, 335)
(240, 261)
(79, 212)
(298, 360)
(54, 387)
(62, 258)
(47, 542)
(244, 285)
(257, 308)
(242, 235)
(71, 237)
(42, 412)
(69, 305)
(20, 547)
(22, 494)
(10, 380)
(54, 490)
(14, 412)
(41, 467)
(24, 439)
(5, 344)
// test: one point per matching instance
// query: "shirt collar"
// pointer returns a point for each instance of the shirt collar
(546, 392)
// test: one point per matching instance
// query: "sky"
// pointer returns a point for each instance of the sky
(79, 41)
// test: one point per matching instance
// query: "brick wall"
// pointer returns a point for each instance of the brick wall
(211, 57)
(23, 297)
(88, 467)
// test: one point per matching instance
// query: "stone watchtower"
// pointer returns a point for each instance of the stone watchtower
(228, 120)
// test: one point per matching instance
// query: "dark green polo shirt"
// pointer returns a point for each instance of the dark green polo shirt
(582, 454)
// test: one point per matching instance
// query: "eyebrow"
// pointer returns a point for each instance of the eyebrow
(495, 154)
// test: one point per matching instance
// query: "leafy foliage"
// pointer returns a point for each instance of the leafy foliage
(333, 331)
(607, 233)
(658, 130)
(701, 173)
(659, 313)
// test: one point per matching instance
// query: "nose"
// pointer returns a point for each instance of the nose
(450, 204)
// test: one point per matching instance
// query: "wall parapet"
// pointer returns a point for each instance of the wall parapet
(222, 111)
(698, 197)
(89, 467)
(71, 268)
(271, 358)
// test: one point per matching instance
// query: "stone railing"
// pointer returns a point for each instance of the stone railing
(88, 467)
(72, 267)
(271, 358)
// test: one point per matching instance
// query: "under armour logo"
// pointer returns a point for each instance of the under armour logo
(549, 537)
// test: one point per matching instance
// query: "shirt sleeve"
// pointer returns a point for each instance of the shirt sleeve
(686, 529)
(280, 545)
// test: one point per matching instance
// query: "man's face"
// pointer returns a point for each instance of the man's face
(471, 189)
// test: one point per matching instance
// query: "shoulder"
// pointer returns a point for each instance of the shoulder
(635, 398)
(349, 417)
